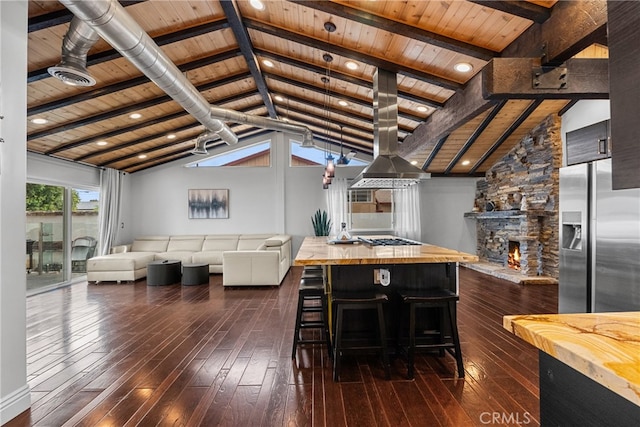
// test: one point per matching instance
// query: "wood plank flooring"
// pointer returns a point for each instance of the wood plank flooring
(129, 354)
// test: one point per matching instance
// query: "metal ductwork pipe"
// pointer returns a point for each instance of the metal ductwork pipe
(72, 68)
(263, 122)
(123, 33)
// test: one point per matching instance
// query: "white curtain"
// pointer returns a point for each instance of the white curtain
(337, 204)
(110, 202)
(407, 212)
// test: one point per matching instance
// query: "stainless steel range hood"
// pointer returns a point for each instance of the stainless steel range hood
(388, 169)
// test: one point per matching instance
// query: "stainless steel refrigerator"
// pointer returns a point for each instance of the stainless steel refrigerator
(599, 241)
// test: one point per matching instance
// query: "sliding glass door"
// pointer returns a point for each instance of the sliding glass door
(61, 232)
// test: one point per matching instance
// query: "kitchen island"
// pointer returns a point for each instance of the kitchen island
(357, 266)
(589, 366)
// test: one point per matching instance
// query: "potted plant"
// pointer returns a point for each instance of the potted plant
(321, 223)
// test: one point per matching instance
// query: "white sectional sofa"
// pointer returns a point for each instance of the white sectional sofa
(244, 259)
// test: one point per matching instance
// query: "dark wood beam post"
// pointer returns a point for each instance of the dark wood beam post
(514, 78)
(522, 9)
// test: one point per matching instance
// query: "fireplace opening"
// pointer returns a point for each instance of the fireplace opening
(513, 259)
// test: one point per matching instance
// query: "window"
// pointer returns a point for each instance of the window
(371, 210)
(256, 155)
(313, 156)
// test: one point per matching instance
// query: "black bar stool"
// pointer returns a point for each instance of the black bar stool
(445, 302)
(344, 301)
(310, 293)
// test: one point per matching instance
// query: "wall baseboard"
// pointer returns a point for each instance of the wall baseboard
(14, 404)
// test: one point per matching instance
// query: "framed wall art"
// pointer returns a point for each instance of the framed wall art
(208, 204)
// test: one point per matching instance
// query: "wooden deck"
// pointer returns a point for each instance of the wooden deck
(116, 355)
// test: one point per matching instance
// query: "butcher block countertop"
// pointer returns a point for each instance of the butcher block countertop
(602, 346)
(317, 251)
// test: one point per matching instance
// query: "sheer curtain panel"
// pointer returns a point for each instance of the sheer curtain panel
(337, 204)
(110, 201)
(407, 212)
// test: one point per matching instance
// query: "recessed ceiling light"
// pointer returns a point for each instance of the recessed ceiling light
(39, 121)
(343, 103)
(142, 156)
(414, 162)
(279, 98)
(466, 162)
(171, 136)
(256, 4)
(135, 115)
(267, 63)
(101, 143)
(422, 109)
(463, 67)
(351, 65)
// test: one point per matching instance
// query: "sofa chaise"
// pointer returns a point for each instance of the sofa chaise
(243, 259)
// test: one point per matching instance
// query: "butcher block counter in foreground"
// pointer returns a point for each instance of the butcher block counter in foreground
(589, 366)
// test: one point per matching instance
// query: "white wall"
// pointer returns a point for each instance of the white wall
(278, 199)
(444, 202)
(14, 391)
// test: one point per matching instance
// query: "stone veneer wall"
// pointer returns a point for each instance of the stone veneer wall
(530, 171)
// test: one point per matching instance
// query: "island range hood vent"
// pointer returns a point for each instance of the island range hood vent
(388, 169)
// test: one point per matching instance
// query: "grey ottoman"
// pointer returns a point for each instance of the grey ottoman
(195, 274)
(160, 273)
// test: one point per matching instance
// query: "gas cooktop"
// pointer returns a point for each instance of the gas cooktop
(394, 241)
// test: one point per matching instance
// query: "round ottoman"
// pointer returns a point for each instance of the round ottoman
(195, 274)
(160, 273)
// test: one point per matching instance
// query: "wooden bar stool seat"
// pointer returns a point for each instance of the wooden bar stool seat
(312, 299)
(347, 301)
(444, 301)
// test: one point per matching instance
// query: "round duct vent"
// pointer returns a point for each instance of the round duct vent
(71, 76)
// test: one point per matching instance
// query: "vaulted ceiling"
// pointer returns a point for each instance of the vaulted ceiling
(522, 54)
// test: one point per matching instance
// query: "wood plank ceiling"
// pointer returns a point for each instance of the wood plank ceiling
(222, 47)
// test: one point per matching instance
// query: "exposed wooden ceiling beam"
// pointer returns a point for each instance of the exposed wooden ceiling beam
(242, 37)
(344, 77)
(335, 119)
(514, 78)
(570, 24)
(434, 152)
(113, 113)
(523, 9)
(337, 95)
(356, 55)
(322, 132)
(127, 84)
(354, 116)
(138, 126)
(507, 133)
(475, 135)
(572, 27)
(396, 27)
(162, 40)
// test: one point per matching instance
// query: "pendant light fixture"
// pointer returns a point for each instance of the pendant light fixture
(329, 170)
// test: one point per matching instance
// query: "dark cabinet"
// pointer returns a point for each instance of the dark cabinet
(589, 143)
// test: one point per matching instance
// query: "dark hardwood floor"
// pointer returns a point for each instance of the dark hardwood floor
(124, 355)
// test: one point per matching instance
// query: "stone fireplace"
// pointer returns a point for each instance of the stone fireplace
(516, 207)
